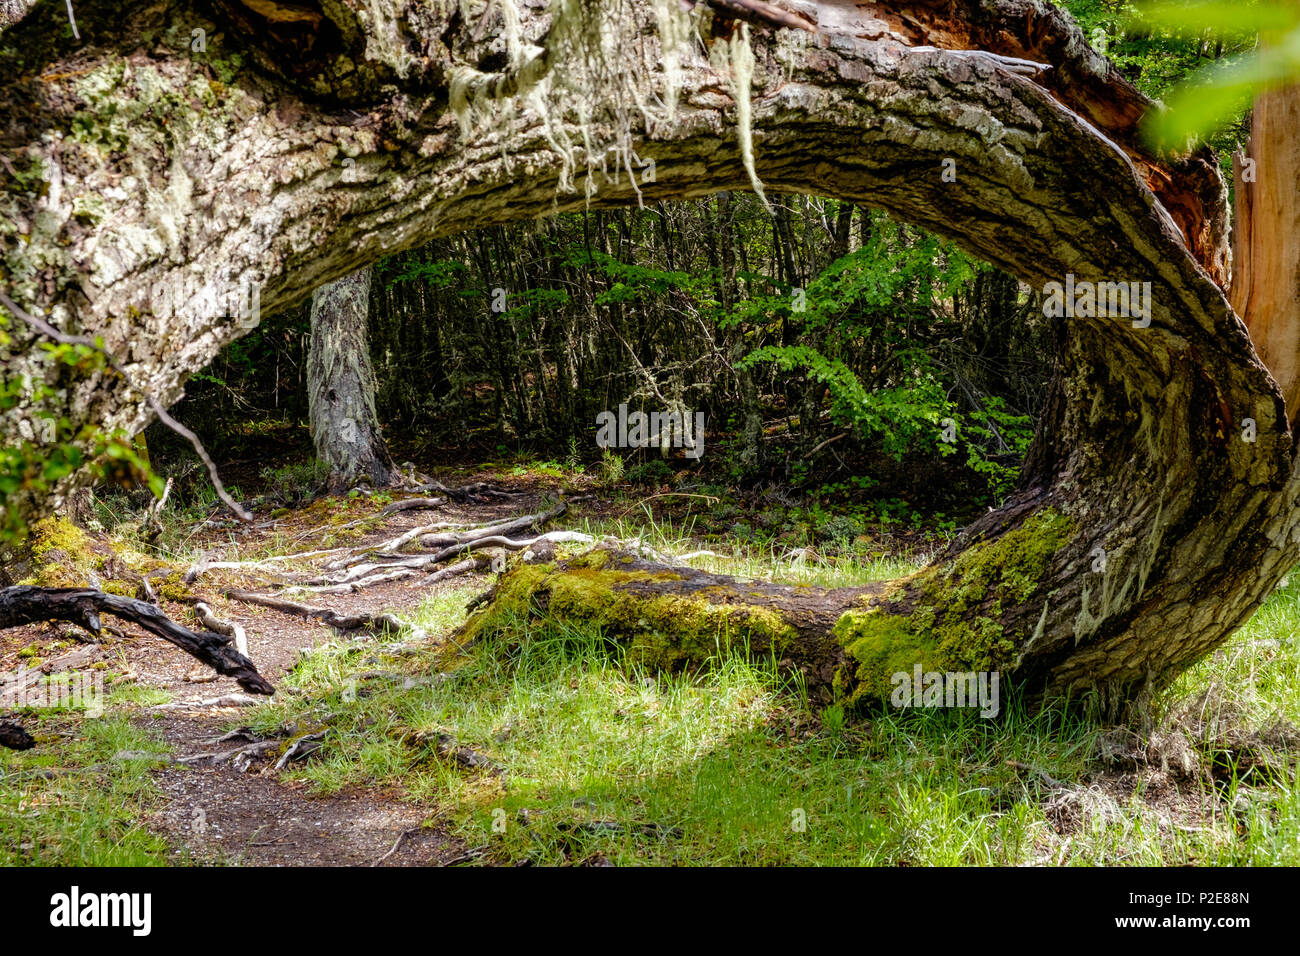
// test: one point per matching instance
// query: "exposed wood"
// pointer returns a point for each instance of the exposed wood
(228, 628)
(1266, 238)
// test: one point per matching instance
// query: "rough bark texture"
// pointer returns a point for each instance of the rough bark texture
(341, 385)
(296, 149)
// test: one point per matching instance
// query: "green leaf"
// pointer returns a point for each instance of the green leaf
(1215, 94)
(1221, 16)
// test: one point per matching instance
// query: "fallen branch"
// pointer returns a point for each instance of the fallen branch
(228, 628)
(349, 587)
(82, 606)
(323, 614)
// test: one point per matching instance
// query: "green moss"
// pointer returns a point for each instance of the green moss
(65, 556)
(172, 587)
(881, 644)
(663, 631)
(61, 554)
(954, 622)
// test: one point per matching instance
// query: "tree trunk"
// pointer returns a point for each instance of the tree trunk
(1158, 508)
(341, 385)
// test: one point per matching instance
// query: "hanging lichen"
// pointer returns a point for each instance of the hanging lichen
(736, 57)
(674, 26)
(553, 81)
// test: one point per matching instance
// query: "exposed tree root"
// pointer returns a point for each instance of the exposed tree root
(435, 536)
(477, 491)
(350, 622)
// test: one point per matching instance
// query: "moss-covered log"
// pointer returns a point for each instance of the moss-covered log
(668, 616)
(846, 642)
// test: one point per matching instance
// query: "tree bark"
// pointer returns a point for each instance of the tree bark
(341, 385)
(1158, 508)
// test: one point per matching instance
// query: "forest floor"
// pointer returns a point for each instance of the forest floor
(551, 749)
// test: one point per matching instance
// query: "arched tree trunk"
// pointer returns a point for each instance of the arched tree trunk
(1158, 508)
(341, 385)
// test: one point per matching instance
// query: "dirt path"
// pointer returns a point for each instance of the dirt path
(247, 816)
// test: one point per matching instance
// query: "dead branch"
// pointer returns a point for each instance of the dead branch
(82, 606)
(324, 615)
(240, 757)
(64, 339)
(228, 628)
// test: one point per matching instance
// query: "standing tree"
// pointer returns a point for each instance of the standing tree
(341, 385)
(167, 159)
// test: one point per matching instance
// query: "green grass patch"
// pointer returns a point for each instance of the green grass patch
(69, 802)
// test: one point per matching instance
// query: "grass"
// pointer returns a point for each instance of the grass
(69, 802)
(762, 559)
(729, 764)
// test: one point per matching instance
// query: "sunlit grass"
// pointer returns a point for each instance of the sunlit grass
(730, 765)
(765, 560)
(76, 800)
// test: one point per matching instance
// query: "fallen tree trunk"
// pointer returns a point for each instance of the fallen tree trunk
(82, 606)
(1159, 501)
(669, 616)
